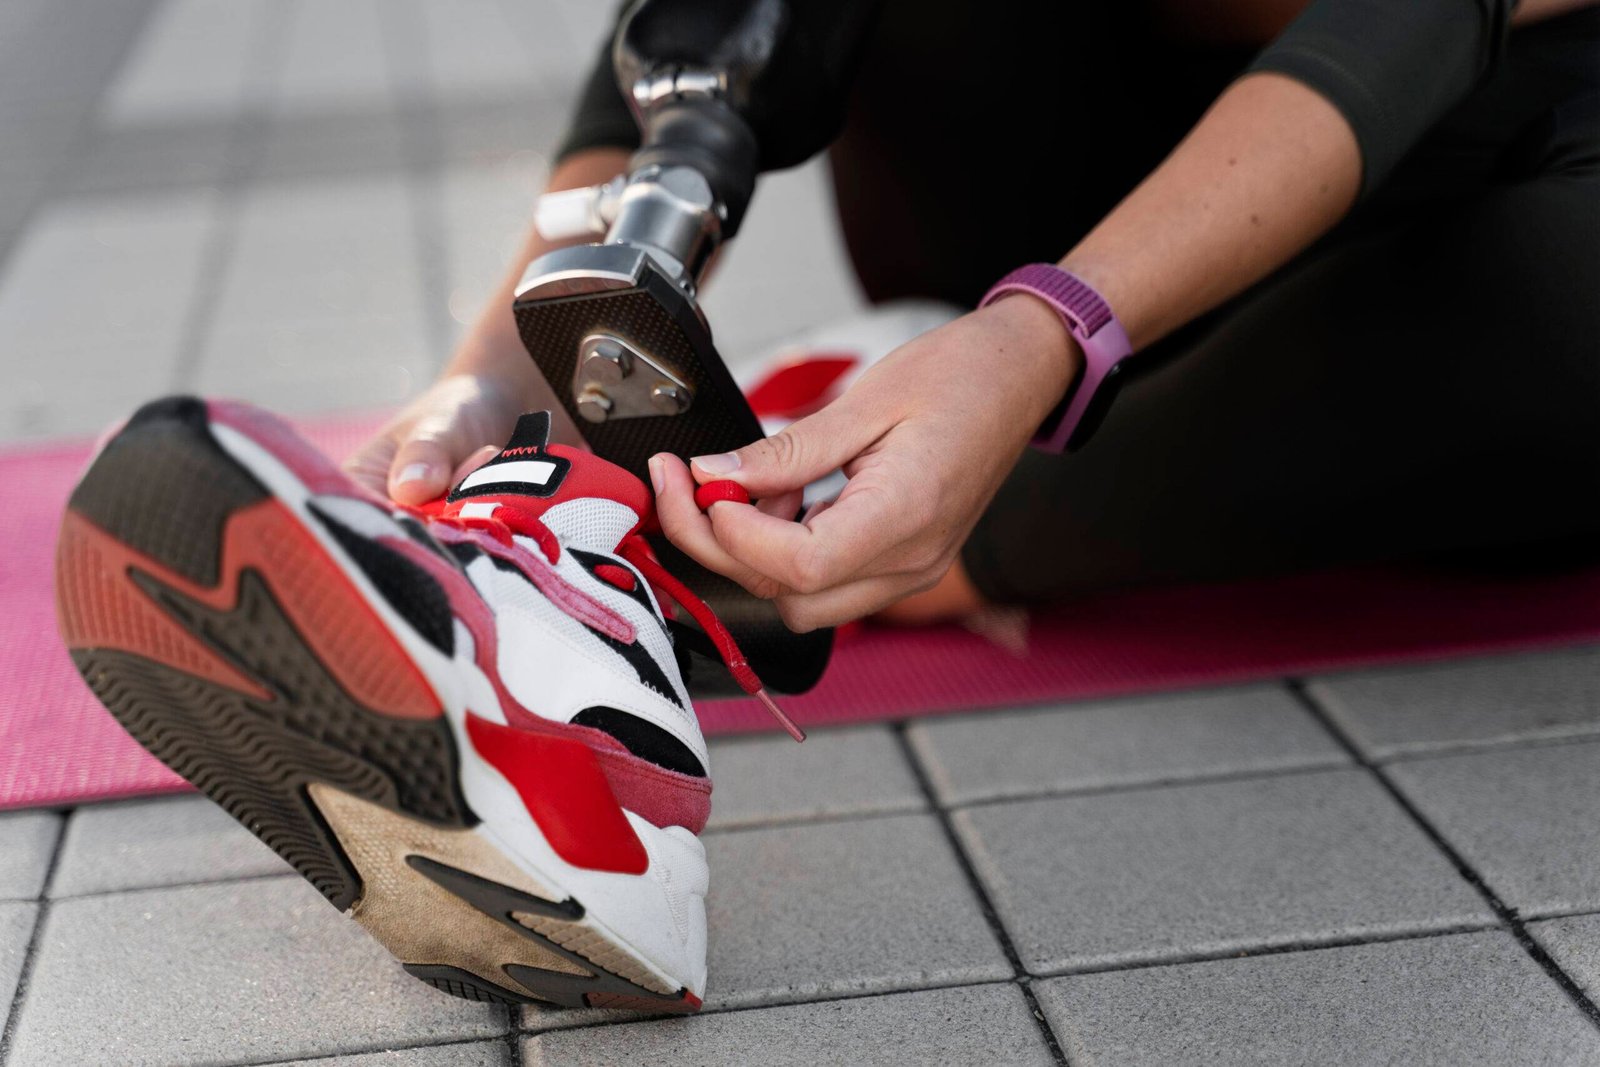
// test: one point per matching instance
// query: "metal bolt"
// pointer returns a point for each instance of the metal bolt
(594, 405)
(608, 363)
(669, 399)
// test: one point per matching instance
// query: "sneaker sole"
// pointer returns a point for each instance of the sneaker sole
(228, 642)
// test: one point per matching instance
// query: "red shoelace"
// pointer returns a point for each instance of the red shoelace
(636, 550)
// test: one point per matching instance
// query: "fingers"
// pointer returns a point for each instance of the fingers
(832, 547)
(420, 470)
(690, 530)
(370, 464)
(804, 612)
(800, 454)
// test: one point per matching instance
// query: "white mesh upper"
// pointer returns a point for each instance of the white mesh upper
(593, 523)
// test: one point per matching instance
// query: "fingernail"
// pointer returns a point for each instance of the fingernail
(655, 473)
(721, 463)
(413, 472)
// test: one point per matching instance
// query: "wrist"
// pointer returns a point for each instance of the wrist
(1038, 343)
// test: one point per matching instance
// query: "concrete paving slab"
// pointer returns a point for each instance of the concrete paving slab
(1574, 943)
(1470, 998)
(16, 930)
(1524, 819)
(334, 58)
(853, 771)
(27, 841)
(145, 843)
(1121, 742)
(1467, 703)
(870, 905)
(240, 972)
(471, 1054)
(976, 1024)
(810, 911)
(95, 288)
(1192, 871)
(192, 63)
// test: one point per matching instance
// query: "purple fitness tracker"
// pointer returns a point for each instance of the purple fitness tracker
(1100, 335)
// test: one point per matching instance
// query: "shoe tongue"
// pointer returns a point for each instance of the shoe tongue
(584, 500)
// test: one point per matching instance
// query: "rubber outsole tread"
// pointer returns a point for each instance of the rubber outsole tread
(464, 984)
(253, 757)
(163, 464)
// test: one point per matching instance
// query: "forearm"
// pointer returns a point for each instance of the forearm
(491, 346)
(1269, 169)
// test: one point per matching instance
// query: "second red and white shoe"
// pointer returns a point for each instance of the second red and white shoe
(464, 724)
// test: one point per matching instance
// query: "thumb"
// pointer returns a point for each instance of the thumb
(420, 471)
(795, 457)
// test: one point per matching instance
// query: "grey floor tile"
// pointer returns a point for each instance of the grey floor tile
(1470, 998)
(16, 930)
(851, 907)
(1524, 819)
(27, 841)
(320, 306)
(1574, 943)
(190, 64)
(486, 208)
(144, 843)
(1204, 870)
(979, 1024)
(836, 772)
(470, 1054)
(334, 58)
(1467, 703)
(98, 291)
(1150, 739)
(240, 972)
(809, 911)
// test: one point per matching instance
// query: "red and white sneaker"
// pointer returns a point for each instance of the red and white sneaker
(464, 724)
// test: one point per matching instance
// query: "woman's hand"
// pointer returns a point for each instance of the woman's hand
(925, 438)
(416, 457)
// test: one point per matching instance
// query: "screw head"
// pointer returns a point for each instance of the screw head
(669, 399)
(594, 405)
(608, 363)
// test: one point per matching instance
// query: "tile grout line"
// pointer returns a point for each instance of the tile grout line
(30, 955)
(239, 164)
(1506, 914)
(935, 986)
(985, 905)
(1281, 949)
(1112, 788)
(86, 131)
(319, 1057)
(422, 152)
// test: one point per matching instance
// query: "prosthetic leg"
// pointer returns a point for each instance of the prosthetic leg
(721, 89)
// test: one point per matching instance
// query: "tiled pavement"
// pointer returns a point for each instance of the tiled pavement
(301, 201)
(1227, 875)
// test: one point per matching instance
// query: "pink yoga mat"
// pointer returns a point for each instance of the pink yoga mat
(58, 746)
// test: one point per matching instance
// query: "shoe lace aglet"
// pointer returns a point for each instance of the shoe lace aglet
(778, 713)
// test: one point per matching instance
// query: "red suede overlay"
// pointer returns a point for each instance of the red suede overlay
(563, 788)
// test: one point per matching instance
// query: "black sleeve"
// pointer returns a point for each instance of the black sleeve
(1392, 67)
(601, 118)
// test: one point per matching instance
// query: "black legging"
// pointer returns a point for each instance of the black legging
(1425, 380)
(1427, 384)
